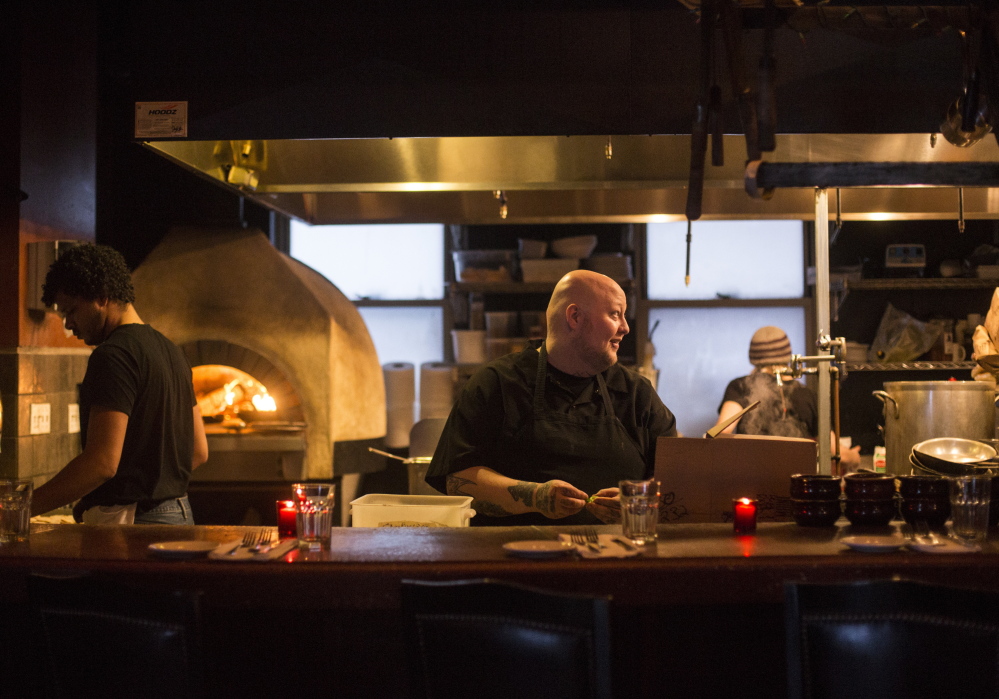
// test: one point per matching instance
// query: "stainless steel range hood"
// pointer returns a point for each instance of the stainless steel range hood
(560, 179)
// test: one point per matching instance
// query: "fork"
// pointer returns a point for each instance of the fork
(581, 540)
(592, 539)
(924, 534)
(248, 539)
(263, 541)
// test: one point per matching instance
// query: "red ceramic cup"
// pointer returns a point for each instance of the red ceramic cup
(868, 486)
(815, 486)
(816, 513)
(876, 513)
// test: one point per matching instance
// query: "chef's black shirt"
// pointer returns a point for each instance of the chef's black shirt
(498, 400)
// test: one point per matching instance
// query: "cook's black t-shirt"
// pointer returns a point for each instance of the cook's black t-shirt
(139, 372)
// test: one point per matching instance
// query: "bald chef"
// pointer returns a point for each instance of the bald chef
(547, 433)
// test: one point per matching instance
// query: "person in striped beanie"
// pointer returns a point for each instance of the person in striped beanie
(769, 348)
(787, 407)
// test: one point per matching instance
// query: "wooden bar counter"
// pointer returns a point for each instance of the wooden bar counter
(700, 614)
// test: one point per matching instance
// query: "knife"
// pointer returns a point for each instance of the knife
(717, 429)
(627, 546)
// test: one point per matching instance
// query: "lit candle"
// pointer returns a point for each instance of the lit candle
(745, 515)
(286, 518)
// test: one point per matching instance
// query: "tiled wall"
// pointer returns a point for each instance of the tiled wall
(38, 375)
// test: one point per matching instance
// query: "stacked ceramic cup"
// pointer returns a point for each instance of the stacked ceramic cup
(924, 498)
(870, 498)
(815, 499)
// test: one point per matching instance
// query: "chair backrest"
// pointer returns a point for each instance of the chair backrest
(423, 438)
(490, 639)
(889, 639)
(96, 638)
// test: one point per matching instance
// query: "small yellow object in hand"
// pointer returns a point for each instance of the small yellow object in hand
(590, 499)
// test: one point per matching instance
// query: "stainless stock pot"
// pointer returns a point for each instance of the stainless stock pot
(915, 411)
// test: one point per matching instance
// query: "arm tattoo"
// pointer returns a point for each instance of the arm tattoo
(489, 509)
(456, 485)
(522, 491)
(544, 498)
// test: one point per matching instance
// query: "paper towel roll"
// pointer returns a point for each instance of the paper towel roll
(429, 411)
(436, 389)
(400, 384)
(398, 423)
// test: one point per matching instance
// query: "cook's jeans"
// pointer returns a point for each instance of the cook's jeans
(175, 511)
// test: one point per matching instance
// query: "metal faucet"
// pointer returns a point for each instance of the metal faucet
(833, 351)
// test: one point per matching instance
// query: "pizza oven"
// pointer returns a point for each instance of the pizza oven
(285, 372)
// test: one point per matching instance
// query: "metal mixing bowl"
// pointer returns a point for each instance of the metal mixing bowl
(952, 455)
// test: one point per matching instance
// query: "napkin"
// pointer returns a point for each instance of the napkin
(232, 551)
(946, 545)
(609, 547)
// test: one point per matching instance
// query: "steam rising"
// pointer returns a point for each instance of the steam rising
(772, 416)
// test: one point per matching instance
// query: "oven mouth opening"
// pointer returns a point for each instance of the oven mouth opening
(233, 401)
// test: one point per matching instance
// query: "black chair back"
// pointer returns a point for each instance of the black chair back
(888, 639)
(488, 639)
(100, 639)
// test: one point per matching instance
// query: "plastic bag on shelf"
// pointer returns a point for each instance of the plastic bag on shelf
(902, 338)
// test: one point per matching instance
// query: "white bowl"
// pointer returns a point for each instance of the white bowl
(577, 247)
(547, 270)
(531, 249)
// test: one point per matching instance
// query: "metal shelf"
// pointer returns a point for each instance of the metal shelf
(912, 366)
(916, 284)
(515, 287)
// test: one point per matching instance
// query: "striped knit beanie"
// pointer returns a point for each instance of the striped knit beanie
(769, 346)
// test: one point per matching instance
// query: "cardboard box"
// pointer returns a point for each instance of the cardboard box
(700, 477)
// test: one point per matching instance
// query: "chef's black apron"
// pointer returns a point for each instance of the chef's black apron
(590, 452)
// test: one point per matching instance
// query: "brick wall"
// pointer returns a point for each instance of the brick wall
(38, 375)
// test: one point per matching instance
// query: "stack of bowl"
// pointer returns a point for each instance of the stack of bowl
(952, 456)
(924, 498)
(870, 498)
(815, 499)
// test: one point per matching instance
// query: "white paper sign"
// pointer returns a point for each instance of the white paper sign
(74, 418)
(161, 119)
(41, 418)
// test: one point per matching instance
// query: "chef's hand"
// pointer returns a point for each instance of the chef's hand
(605, 505)
(556, 499)
(850, 458)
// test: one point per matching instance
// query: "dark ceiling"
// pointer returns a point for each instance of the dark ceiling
(376, 69)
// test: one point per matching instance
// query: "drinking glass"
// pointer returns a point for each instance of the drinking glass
(314, 513)
(639, 510)
(15, 510)
(970, 497)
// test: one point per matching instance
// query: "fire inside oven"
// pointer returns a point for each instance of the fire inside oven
(256, 440)
(232, 400)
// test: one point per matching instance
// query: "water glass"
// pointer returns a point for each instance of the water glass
(15, 510)
(314, 513)
(970, 497)
(639, 510)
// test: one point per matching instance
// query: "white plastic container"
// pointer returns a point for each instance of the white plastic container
(377, 510)
(548, 270)
(469, 346)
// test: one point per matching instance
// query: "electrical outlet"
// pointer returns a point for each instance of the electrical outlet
(41, 418)
(74, 418)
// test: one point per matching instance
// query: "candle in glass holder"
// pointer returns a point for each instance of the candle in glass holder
(286, 518)
(745, 515)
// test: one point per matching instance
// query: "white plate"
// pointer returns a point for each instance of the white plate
(873, 544)
(182, 549)
(945, 546)
(539, 548)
